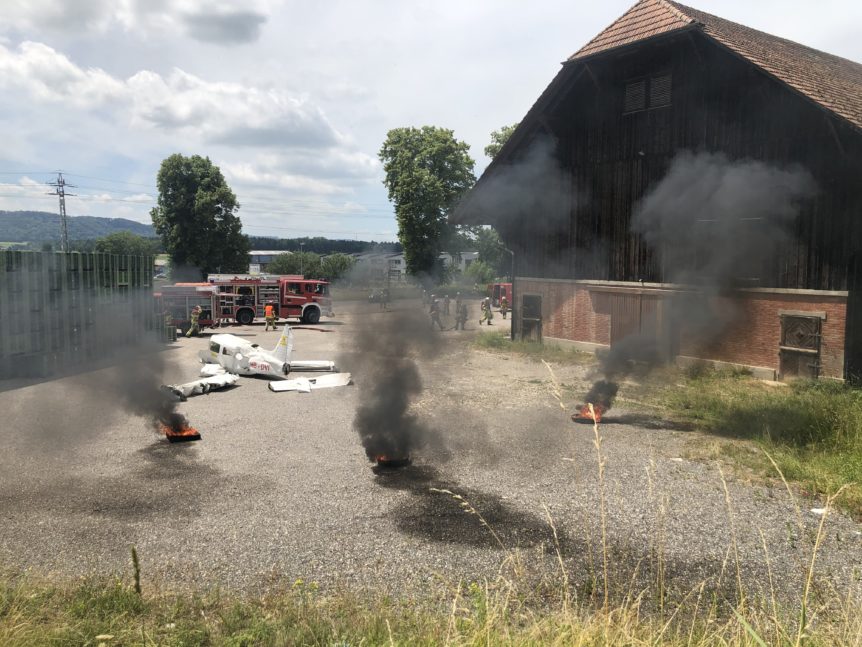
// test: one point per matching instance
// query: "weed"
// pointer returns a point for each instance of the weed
(549, 352)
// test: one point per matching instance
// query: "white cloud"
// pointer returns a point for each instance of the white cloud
(211, 21)
(49, 75)
(215, 112)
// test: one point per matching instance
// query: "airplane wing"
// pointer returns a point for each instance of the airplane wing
(308, 384)
(203, 385)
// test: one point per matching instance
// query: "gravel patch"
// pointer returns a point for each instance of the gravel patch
(280, 488)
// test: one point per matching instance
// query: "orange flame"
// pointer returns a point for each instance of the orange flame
(182, 433)
(585, 412)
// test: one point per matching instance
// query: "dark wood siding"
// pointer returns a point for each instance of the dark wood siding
(718, 103)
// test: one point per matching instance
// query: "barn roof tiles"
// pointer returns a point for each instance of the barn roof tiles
(833, 82)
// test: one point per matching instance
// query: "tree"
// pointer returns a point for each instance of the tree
(305, 263)
(481, 273)
(491, 250)
(336, 266)
(499, 139)
(427, 172)
(196, 217)
(125, 242)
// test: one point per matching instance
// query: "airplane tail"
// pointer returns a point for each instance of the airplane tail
(284, 348)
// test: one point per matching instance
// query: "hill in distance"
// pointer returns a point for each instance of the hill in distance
(42, 226)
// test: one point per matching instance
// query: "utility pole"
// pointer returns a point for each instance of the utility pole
(301, 259)
(60, 191)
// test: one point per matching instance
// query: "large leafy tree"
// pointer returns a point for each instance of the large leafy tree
(125, 242)
(305, 263)
(427, 172)
(499, 139)
(196, 217)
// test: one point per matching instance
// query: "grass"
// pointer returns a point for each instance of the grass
(812, 429)
(499, 341)
(105, 611)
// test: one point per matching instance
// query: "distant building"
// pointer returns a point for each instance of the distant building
(460, 261)
(259, 260)
(377, 267)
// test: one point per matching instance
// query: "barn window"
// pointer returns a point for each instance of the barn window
(659, 91)
(635, 99)
(647, 94)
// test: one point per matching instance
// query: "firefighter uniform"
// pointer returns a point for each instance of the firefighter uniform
(194, 329)
(269, 315)
(487, 313)
(504, 305)
(435, 314)
(460, 316)
(446, 305)
(170, 328)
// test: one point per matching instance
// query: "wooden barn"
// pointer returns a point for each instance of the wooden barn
(665, 84)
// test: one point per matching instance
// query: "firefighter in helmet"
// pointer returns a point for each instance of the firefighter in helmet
(195, 329)
(460, 315)
(435, 314)
(487, 312)
(269, 315)
(504, 305)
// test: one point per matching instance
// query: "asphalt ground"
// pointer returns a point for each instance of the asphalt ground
(280, 487)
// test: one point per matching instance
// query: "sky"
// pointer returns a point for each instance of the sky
(292, 100)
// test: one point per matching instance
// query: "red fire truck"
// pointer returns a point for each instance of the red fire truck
(497, 290)
(179, 300)
(242, 298)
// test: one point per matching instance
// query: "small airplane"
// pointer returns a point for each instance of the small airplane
(240, 357)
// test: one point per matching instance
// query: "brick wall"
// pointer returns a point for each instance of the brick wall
(577, 311)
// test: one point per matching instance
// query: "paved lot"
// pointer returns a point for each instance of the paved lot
(280, 487)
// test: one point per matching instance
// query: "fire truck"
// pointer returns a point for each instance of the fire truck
(242, 298)
(179, 299)
(497, 290)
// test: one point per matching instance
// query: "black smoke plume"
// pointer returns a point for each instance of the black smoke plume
(602, 394)
(717, 225)
(383, 357)
(534, 184)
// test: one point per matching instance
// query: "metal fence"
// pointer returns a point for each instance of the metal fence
(63, 311)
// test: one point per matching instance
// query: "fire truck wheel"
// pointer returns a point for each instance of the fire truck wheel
(244, 317)
(311, 315)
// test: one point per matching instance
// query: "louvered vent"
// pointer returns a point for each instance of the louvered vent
(635, 98)
(659, 91)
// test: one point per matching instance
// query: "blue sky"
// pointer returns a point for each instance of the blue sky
(291, 99)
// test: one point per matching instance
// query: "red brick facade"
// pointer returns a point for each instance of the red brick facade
(585, 312)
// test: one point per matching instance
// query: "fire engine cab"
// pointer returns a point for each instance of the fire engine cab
(242, 298)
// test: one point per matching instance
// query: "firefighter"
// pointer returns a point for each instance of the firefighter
(195, 329)
(386, 298)
(487, 312)
(170, 328)
(435, 314)
(446, 303)
(457, 303)
(504, 305)
(269, 315)
(460, 315)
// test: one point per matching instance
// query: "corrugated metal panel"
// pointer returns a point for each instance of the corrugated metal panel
(60, 310)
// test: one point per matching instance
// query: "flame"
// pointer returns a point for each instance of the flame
(182, 431)
(384, 459)
(597, 408)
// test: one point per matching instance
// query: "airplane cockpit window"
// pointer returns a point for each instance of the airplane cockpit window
(225, 351)
(214, 347)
